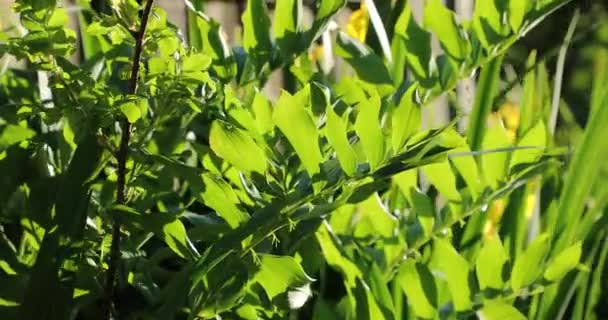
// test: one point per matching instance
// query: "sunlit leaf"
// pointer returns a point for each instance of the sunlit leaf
(236, 147)
(277, 274)
(527, 267)
(291, 116)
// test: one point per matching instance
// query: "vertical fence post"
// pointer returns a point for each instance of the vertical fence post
(465, 89)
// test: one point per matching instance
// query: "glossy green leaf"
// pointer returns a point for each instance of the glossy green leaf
(582, 173)
(495, 164)
(405, 120)
(218, 195)
(131, 111)
(467, 168)
(499, 310)
(287, 25)
(196, 62)
(336, 133)
(236, 147)
(174, 234)
(373, 218)
(486, 91)
(418, 45)
(335, 258)
(214, 44)
(442, 177)
(490, 263)
(262, 111)
(277, 274)
(528, 267)
(425, 212)
(419, 286)
(369, 131)
(517, 12)
(456, 270)
(12, 134)
(380, 292)
(442, 22)
(534, 142)
(292, 118)
(368, 66)
(367, 307)
(407, 181)
(529, 109)
(256, 27)
(564, 262)
(488, 23)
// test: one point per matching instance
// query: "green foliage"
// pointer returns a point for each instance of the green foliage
(236, 206)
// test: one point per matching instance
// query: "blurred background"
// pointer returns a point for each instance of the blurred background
(584, 56)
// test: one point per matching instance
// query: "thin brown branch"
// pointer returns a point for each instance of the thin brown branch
(121, 157)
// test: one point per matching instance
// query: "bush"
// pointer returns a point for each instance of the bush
(155, 180)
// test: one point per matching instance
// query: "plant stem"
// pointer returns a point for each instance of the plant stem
(559, 73)
(121, 157)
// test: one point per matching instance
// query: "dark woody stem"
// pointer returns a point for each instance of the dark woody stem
(121, 157)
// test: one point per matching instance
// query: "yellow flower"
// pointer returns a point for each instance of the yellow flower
(494, 215)
(510, 115)
(358, 23)
(316, 53)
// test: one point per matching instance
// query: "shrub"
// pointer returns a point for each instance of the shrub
(156, 180)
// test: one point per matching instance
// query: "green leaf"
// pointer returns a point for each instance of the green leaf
(131, 111)
(418, 45)
(367, 307)
(425, 212)
(368, 66)
(528, 266)
(467, 167)
(369, 131)
(262, 111)
(218, 195)
(405, 119)
(488, 24)
(287, 20)
(536, 139)
(277, 274)
(407, 181)
(582, 173)
(174, 235)
(517, 12)
(440, 174)
(529, 109)
(335, 258)
(380, 291)
(214, 45)
(419, 286)
(196, 62)
(373, 219)
(490, 263)
(336, 131)
(564, 262)
(442, 22)
(494, 164)
(237, 148)
(12, 134)
(498, 310)
(256, 26)
(487, 88)
(456, 270)
(293, 119)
